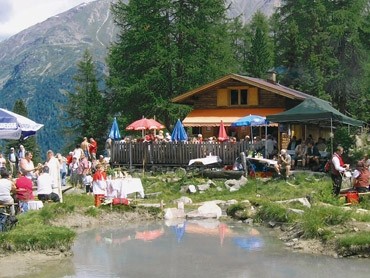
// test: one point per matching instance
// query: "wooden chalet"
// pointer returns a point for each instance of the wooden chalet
(228, 99)
(235, 96)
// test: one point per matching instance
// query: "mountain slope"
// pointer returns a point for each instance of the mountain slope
(37, 65)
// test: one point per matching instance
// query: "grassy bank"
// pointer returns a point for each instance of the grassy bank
(327, 220)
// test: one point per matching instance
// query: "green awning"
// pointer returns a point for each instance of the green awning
(313, 111)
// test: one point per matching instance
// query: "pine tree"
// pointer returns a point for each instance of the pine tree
(86, 108)
(165, 48)
(260, 57)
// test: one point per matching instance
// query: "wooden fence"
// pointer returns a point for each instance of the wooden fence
(173, 154)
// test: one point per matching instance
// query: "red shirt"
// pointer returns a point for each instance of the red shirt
(24, 188)
(93, 147)
(100, 175)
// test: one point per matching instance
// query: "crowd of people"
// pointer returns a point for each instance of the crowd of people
(20, 177)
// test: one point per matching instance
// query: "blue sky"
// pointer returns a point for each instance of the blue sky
(17, 15)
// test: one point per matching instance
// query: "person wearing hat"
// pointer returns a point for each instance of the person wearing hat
(284, 163)
(12, 158)
(361, 178)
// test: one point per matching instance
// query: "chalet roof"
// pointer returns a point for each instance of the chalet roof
(257, 82)
(213, 117)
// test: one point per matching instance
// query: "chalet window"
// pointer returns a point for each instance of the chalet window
(238, 97)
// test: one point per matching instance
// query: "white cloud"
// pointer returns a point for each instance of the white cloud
(18, 15)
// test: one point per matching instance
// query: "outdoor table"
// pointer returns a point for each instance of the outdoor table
(268, 162)
(125, 186)
(211, 159)
(35, 205)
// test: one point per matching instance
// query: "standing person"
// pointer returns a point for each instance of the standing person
(108, 147)
(93, 148)
(63, 168)
(13, 163)
(54, 171)
(24, 191)
(44, 187)
(361, 177)
(337, 169)
(284, 162)
(73, 167)
(78, 152)
(99, 184)
(6, 189)
(27, 167)
(83, 168)
(85, 147)
(2, 161)
(21, 152)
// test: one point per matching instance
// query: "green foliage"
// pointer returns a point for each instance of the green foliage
(86, 114)
(165, 48)
(316, 220)
(269, 211)
(359, 239)
(93, 211)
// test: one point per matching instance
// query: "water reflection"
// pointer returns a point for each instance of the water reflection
(196, 249)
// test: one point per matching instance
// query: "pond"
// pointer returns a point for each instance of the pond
(194, 249)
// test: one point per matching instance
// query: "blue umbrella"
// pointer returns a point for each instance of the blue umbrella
(250, 120)
(179, 133)
(114, 131)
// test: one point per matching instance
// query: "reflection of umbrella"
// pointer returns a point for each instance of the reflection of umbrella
(14, 126)
(179, 133)
(253, 243)
(149, 235)
(180, 231)
(144, 124)
(114, 131)
(222, 135)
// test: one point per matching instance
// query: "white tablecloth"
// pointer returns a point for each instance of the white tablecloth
(122, 187)
(35, 205)
(269, 162)
(207, 160)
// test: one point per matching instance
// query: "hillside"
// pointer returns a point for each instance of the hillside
(37, 64)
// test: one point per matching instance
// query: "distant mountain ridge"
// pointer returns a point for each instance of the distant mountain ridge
(37, 64)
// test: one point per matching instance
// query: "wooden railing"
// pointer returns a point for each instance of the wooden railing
(173, 154)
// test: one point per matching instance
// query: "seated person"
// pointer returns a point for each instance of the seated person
(24, 191)
(44, 186)
(321, 146)
(313, 156)
(300, 154)
(293, 143)
(6, 189)
(361, 178)
(284, 162)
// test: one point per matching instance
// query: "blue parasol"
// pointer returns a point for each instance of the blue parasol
(250, 120)
(179, 134)
(114, 131)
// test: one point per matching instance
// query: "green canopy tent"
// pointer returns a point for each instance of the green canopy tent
(314, 111)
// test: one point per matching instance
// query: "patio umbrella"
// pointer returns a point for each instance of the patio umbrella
(14, 126)
(145, 124)
(179, 134)
(114, 131)
(222, 135)
(252, 120)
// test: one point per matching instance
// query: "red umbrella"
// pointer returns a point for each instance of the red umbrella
(144, 124)
(222, 135)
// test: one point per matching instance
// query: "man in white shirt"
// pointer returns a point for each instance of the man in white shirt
(44, 186)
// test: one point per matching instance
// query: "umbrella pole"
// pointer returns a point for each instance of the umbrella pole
(266, 141)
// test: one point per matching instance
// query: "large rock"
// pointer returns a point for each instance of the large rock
(173, 213)
(208, 210)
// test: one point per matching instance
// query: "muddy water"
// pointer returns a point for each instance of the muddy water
(194, 249)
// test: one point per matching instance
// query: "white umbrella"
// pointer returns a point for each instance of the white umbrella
(14, 126)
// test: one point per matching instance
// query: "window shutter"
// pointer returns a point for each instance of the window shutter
(222, 97)
(253, 96)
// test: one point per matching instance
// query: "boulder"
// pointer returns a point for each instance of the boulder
(208, 210)
(173, 213)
